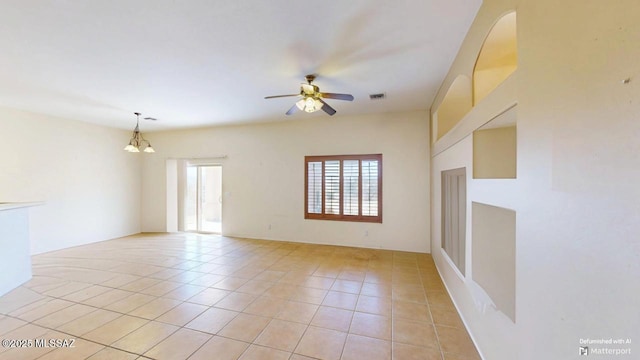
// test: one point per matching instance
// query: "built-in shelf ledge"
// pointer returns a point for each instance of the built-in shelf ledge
(497, 102)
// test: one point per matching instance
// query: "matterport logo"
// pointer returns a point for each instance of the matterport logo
(605, 346)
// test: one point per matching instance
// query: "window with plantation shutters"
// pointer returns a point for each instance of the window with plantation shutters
(343, 187)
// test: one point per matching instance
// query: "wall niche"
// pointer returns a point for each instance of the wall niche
(497, 59)
(456, 104)
(495, 148)
(494, 254)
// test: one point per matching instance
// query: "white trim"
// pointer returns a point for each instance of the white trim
(452, 264)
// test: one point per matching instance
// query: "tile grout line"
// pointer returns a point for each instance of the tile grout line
(229, 270)
(435, 330)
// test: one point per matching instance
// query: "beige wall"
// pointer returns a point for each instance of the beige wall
(576, 194)
(90, 186)
(263, 177)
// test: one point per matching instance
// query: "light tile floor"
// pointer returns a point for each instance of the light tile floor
(182, 296)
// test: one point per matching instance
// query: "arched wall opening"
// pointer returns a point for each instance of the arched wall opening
(497, 59)
(456, 104)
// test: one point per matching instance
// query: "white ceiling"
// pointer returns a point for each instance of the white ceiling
(210, 62)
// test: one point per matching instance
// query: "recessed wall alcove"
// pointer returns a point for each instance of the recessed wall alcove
(495, 148)
(494, 254)
(497, 59)
(456, 104)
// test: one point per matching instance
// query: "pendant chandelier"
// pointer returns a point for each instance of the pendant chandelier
(138, 142)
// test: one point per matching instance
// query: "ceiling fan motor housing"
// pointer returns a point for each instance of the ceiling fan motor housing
(309, 90)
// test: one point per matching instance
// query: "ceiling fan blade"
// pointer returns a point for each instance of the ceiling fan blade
(326, 108)
(279, 96)
(293, 109)
(347, 97)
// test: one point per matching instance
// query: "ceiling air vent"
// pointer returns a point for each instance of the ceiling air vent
(379, 96)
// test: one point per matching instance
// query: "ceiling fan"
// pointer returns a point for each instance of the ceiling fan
(312, 98)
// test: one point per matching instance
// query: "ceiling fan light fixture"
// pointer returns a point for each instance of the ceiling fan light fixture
(317, 104)
(300, 104)
(309, 104)
(312, 98)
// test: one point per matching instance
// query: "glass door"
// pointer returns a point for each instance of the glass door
(203, 202)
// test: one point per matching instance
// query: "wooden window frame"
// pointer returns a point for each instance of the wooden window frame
(341, 216)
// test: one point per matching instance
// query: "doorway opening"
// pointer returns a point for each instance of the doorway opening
(203, 200)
